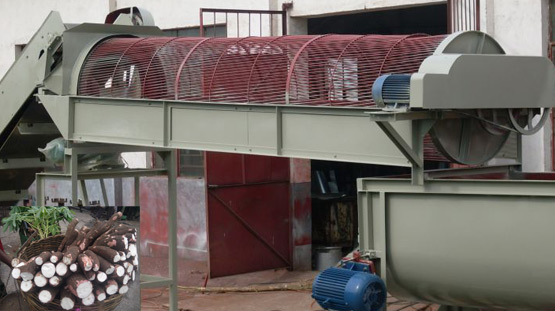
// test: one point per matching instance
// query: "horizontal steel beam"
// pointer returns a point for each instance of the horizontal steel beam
(123, 173)
(151, 281)
(13, 195)
(325, 133)
(20, 163)
(542, 188)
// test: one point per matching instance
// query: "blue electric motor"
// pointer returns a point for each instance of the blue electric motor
(349, 288)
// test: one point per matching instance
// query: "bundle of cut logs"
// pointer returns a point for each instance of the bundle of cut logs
(89, 265)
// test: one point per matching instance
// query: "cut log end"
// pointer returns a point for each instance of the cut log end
(67, 300)
(73, 267)
(101, 277)
(27, 286)
(16, 273)
(55, 281)
(120, 270)
(48, 270)
(111, 287)
(15, 262)
(48, 294)
(100, 294)
(56, 256)
(79, 286)
(40, 280)
(61, 269)
(123, 289)
(89, 300)
(67, 303)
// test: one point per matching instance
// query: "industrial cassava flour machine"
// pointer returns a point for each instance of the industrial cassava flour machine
(386, 100)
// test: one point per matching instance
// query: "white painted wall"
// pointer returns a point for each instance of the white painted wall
(178, 13)
(21, 19)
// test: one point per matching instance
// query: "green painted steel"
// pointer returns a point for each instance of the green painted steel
(470, 243)
(326, 133)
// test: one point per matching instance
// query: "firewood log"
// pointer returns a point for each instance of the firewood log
(99, 228)
(16, 271)
(71, 255)
(40, 280)
(48, 294)
(73, 267)
(133, 249)
(122, 280)
(105, 266)
(84, 262)
(101, 277)
(79, 285)
(42, 258)
(56, 256)
(48, 269)
(119, 270)
(27, 286)
(71, 234)
(28, 270)
(100, 294)
(109, 254)
(55, 281)
(89, 300)
(67, 299)
(117, 242)
(111, 287)
(16, 261)
(123, 289)
(94, 259)
(61, 269)
(90, 275)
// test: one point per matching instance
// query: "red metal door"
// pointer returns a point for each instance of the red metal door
(248, 210)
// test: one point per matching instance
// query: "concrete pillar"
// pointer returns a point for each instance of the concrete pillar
(522, 28)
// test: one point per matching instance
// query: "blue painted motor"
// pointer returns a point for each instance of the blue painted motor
(349, 288)
(391, 90)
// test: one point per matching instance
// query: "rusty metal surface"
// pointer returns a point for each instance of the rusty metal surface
(328, 70)
(249, 217)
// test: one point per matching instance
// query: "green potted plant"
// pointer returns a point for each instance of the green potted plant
(45, 220)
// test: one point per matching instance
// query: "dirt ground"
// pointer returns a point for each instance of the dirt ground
(193, 273)
(15, 302)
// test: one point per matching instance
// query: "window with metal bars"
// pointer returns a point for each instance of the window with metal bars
(463, 15)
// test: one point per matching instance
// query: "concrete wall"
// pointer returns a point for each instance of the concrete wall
(522, 28)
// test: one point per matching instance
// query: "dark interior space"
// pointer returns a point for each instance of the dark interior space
(430, 19)
(334, 193)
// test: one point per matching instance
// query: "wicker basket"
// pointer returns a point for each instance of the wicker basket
(50, 244)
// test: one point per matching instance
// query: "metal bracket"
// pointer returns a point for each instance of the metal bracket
(371, 254)
(400, 143)
(422, 122)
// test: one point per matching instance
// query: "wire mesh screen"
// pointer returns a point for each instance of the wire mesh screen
(326, 70)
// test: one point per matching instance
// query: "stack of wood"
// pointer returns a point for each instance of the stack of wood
(89, 265)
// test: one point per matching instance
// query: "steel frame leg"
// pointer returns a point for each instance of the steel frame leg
(170, 162)
(104, 193)
(138, 191)
(73, 168)
(40, 190)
